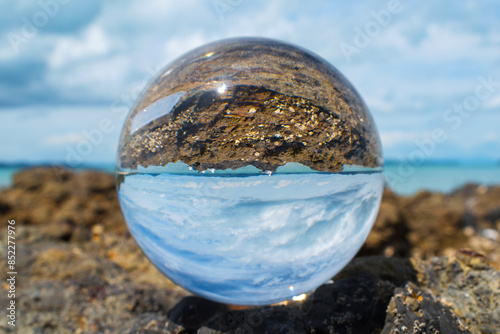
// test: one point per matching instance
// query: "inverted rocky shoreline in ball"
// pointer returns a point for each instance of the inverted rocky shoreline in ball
(254, 102)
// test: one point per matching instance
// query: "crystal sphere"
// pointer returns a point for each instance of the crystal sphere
(249, 171)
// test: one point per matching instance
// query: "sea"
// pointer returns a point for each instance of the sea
(401, 178)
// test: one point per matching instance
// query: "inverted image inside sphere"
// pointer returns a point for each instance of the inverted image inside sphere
(249, 101)
(249, 171)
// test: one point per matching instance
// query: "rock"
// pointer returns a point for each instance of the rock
(36, 178)
(396, 270)
(468, 285)
(151, 323)
(389, 235)
(85, 274)
(89, 305)
(57, 231)
(286, 106)
(191, 313)
(432, 224)
(63, 200)
(350, 305)
(413, 310)
(265, 320)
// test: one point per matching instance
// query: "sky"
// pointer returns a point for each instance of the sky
(71, 70)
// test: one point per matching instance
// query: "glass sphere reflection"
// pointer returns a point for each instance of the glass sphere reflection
(249, 171)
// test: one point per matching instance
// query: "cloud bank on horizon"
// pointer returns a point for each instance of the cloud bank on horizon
(70, 70)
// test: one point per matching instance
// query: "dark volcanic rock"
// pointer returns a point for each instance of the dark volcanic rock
(253, 102)
(266, 320)
(413, 310)
(397, 270)
(468, 285)
(350, 305)
(191, 313)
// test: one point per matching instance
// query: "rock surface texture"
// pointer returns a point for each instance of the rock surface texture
(81, 272)
(250, 101)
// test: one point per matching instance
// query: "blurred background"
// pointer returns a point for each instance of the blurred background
(71, 70)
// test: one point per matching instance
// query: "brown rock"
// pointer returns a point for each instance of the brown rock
(433, 224)
(253, 102)
(468, 285)
(82, 272)
(59, 197)
(413, 310)
(389, 235)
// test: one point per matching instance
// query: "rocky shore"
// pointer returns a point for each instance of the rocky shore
(430, 265)
(250, 101)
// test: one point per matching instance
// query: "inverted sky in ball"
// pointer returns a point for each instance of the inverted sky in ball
(249, 171)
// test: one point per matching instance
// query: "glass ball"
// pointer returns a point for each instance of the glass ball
(249, 171)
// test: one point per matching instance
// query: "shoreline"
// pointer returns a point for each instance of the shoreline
(428, 256)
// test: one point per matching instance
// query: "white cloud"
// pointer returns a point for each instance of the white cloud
(97, 79)
(178, 45)
(93, 42)
(393, 38)
(444, 43)
(376, 103)
(62, 139)
(493, 102)
(154, 12)
(393, 138)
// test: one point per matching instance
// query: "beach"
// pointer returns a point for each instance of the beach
(429, 256)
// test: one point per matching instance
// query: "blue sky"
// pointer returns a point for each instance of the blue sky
(68, 66)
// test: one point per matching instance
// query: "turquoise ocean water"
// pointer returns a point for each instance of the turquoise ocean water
(403, 180)
(439, 178)
(6, 174)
